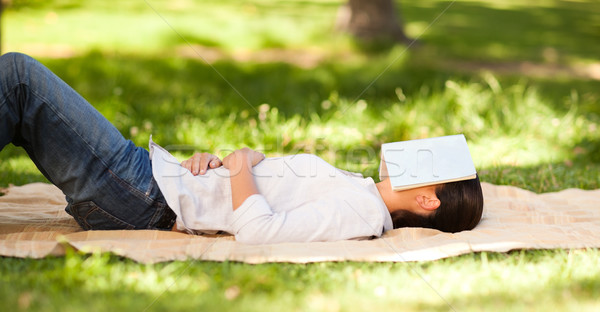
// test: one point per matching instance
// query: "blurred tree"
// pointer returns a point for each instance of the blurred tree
(1, 10)
(371, 20)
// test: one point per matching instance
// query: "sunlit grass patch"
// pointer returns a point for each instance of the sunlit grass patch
(150, 27)
(513, 281)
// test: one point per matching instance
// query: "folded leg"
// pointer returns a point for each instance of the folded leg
(106, 178)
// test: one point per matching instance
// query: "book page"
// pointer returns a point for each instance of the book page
(430, 161)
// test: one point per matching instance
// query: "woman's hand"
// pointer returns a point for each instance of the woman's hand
(242, 157)
(200, 162)
(240, 165)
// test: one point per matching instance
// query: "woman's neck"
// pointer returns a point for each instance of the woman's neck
(389, 198)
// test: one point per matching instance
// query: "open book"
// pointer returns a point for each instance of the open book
(416, 163)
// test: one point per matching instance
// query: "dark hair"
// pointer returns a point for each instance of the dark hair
(460, 209)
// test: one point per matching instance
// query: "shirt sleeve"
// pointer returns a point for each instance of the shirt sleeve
(321, 220)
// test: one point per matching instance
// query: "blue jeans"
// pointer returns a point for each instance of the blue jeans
(107, 180)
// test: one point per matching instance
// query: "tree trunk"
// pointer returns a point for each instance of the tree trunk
(371, 20)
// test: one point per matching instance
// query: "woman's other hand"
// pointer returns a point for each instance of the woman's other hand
(241, 157)
(200, 162)
(240, 163)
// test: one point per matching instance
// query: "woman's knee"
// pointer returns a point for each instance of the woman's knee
(14, 57)
(14, 64)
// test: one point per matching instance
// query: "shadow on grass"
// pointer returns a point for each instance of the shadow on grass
(162, 87)
(236, 86)
(588, 150)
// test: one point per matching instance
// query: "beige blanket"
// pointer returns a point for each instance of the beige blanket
(33, 224)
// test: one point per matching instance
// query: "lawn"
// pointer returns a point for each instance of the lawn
(519, 78)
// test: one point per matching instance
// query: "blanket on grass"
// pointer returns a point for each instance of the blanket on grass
(33, 224)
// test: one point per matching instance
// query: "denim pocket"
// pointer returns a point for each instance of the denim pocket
(91, 217)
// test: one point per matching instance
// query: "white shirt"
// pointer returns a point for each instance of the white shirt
(302, 198)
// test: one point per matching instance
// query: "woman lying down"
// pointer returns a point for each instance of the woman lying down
(111, 184)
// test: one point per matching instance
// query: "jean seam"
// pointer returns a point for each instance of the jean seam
(85, 219)
(104, 213)
(130, 188)
(160, 207)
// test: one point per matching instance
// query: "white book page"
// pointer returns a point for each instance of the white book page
(429, 161)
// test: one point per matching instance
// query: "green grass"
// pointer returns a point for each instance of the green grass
(517, 281)
(535, 129)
